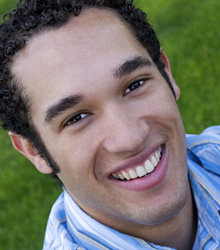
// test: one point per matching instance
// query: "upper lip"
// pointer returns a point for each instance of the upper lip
(136, 160)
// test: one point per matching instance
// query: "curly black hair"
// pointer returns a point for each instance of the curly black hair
(30, 17)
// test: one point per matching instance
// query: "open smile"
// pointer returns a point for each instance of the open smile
(145, 175)
(141, 170)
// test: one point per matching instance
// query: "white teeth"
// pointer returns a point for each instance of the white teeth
(157, 155)
(154, 161)
(116, 176)
(132, 174)
(141, 171)
(149, 167)
(126, 175)
(121, 176)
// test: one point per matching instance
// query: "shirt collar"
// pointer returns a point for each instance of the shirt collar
(90, 231)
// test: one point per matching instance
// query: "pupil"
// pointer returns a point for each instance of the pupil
(135, 85)
(77, 118)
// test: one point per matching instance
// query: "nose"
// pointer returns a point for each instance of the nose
(125, 131)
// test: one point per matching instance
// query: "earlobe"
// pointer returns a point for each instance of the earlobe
(26, 148)
(165, 60)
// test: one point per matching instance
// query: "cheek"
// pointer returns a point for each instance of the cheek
(162, 114)
(75, 156)
(160, 106)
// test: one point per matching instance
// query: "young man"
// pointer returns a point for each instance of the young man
(88, 96)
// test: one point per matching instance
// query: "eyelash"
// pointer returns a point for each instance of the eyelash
(134, 85)
(78, 117)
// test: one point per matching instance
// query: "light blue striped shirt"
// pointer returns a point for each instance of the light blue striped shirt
(69, 228)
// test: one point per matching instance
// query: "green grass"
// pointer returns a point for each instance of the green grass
(190, 36)
(26, 197)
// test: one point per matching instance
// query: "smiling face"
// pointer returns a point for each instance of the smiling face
(106, 114)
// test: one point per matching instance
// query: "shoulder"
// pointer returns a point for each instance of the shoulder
(206, 147)
(209, 137)
(203, 153)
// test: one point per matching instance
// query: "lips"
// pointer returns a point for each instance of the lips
(141, 170)
(138, 166)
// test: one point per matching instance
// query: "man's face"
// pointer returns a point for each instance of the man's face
(104, 111)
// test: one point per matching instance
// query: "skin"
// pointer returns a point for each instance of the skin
(116, 126)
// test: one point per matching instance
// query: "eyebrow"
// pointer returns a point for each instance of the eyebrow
(68, 102)
(131, 65)
(62, 105)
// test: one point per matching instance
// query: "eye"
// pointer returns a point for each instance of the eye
(133, 86)
(76, 118)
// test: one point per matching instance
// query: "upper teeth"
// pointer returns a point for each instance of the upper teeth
(140, 171)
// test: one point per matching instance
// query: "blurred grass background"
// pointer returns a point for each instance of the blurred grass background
(189, 34)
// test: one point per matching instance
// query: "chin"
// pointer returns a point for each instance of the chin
(168, 210)
(163, 210)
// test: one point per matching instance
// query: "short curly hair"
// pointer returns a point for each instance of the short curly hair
(32, 16)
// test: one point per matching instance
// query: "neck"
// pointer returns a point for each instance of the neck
(183, 228)
(180, 231)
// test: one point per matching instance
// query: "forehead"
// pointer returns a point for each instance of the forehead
(91, 29)
(80, 52)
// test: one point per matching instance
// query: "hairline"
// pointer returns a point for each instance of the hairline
(47, 28)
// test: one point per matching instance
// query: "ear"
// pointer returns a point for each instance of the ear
(169, 74)
(26, 148)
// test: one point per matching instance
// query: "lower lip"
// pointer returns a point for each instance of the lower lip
(150, 180)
